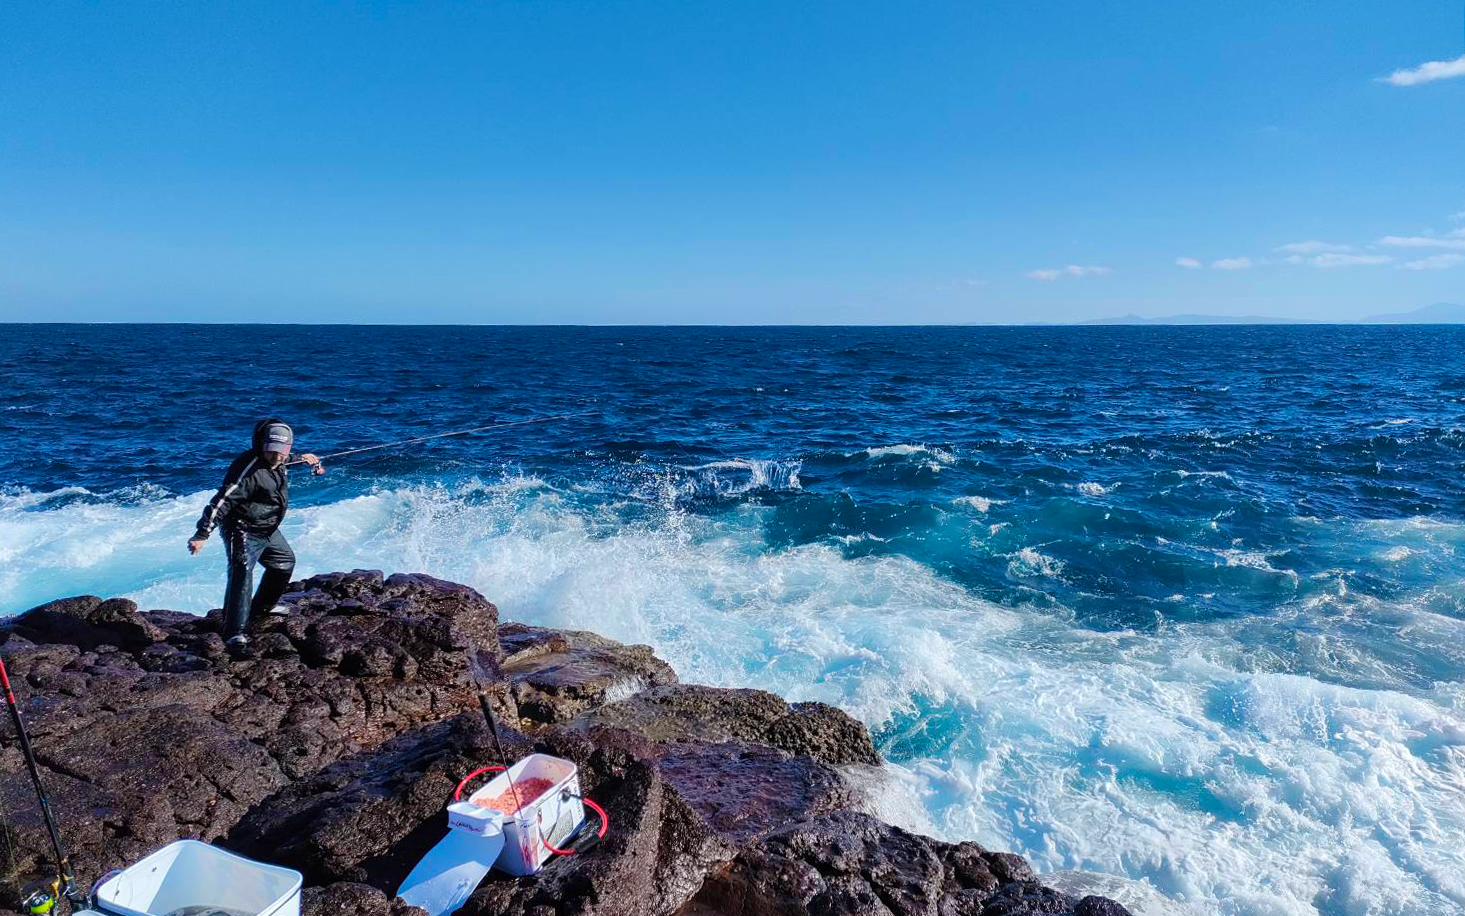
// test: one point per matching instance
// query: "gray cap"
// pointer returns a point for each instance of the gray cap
(278, 438)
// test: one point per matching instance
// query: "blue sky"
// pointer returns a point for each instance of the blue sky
(682, 162)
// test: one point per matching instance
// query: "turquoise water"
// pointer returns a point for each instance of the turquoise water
(1180, 605)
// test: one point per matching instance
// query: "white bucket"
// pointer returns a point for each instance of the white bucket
(189, 874)
(547, 820)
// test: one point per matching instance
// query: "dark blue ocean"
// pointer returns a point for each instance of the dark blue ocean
(1182, 607)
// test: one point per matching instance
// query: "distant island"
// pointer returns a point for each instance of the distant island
(1439, 313)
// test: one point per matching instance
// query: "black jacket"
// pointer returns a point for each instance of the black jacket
(253, 497)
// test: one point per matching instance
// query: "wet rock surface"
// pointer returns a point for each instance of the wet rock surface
(334, 746)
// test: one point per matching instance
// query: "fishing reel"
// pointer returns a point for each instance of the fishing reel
(38, 898)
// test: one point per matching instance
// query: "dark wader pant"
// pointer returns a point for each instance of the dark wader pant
(244, 550)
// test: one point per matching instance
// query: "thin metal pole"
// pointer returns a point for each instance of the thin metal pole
(461, 432)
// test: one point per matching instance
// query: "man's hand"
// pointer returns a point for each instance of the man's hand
(314, 462)
(196, 544)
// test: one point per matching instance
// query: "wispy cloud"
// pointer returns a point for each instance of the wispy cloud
(1072, 270)
(1312, 247)
(1456, 240)
(1333, 259)
(1427, 73)
(1435, 262)
(1331, 255)
(1232, 263)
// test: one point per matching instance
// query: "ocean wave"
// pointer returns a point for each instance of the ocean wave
(1203, 475)
(980, 503)
(1029, 563)
(743, 475)
(905, 450)
(1190, 759)
(23, 498)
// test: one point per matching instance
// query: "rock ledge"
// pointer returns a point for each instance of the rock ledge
(333, 748)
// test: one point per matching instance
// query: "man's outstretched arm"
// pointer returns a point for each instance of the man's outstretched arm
(233, 491)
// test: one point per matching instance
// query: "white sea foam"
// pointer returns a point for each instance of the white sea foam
(1028, 563)
(737, 476)
(938, 455)
(980, 503)
(29, 499)
(1203, 475)
(1090, 488)
(1177, 759)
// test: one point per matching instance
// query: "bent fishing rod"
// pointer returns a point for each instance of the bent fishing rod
(461, 432)
(64, 883)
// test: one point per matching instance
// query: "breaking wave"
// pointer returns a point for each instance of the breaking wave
(1189, 759)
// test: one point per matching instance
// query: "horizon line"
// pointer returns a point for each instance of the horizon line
(1260, 322)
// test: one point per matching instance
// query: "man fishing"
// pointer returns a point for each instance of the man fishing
(248, 508)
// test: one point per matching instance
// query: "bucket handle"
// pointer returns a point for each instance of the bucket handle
(599, 834)
(458, 792)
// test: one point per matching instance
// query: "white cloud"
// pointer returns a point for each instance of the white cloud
(1458, 217)
(1187, 263)
(1332, 259)
(1072, 270)
(1312, 247)
(1435, 262)
(1423, 241)
(1428, 73)
(1232, 264)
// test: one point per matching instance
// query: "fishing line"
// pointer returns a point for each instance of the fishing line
(461, 432)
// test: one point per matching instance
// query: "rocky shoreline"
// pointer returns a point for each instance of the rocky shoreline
(333, 748)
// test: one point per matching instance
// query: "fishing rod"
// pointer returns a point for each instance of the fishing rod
(479, 665)
(461, 432)
(41, 900)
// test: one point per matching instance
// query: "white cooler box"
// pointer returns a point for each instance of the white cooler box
(191, 876)
(480, 838)
(549, 818)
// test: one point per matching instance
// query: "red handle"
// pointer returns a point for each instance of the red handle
(599, 834)
(458, 792)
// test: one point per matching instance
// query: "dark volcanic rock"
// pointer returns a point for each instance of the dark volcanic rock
(334, 747)
(345, 898)
(850, 864)
(558, 674)
(149, 733)
(744, 791)
(370, 817)
(691, 712)
(87, 622)
(1094, 905)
